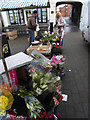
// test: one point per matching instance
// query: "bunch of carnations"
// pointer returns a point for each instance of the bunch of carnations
(57, 63)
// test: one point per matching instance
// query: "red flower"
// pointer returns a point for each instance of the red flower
(42, 116)
(60, 46)
(47, 116)
(44, 113)
(61, 97)
(56, 46)
(45, 69)
(39, 65)
(11, 112)
(40, 41)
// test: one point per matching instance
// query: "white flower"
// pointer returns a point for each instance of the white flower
(45, 32)
(38, 90)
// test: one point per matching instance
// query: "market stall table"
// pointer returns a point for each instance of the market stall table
(44, 49)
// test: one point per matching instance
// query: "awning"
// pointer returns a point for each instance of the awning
(21, 4)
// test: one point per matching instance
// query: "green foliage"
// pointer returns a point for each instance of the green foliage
(33, 105)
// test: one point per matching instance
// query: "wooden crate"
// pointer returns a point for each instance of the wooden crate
(44, 49)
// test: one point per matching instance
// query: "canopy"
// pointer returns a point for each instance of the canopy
(21, 4)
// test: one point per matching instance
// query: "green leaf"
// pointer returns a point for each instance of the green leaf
(43, 86)
(41, 81)
(34, 85)
(35, 116)
(28, 106)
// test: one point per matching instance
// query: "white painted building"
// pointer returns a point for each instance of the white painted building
(51, 12)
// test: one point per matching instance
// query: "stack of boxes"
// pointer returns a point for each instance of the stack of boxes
(12, 35)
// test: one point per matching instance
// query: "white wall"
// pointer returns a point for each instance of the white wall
(25, 17)
(53, 15)
(5, 18)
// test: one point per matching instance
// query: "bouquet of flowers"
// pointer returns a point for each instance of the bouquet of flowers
(33, 105)
(56, 43)
(47, 37)
(6, 98)
(57, 63)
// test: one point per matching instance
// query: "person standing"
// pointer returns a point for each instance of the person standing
(31, 24)
(61, 26)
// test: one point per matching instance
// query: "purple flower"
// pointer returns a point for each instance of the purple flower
(58, 115)
(51, 117)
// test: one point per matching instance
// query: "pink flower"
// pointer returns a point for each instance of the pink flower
(40, 41)
(60, 46)
(56, 62)
(52, 63)
(59, 91)
(58, 86)
(56, 101)
(63, 59)
(60, 63)
(52, 60)
(54, 57)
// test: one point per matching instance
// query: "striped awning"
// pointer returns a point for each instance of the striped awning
(21, 4)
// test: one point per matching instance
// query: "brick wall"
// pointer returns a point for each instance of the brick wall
(65, 11)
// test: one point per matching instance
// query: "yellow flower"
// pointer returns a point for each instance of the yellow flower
(11, 99)
(2, 112)
(6, 98)
(61, 56)
(3, 102)
(54, 39)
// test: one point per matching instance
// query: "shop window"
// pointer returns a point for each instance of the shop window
(16, 16)
(41, 14)
(28, 12)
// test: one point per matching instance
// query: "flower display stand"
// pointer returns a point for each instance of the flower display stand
(39, 82)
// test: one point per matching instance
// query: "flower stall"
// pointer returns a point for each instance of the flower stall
(35, 84)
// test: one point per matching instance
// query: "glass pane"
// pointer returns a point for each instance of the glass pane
(43, 9)
(44, 17)
(10, 11)
(43, 13)
(39, 20)
(44, 20)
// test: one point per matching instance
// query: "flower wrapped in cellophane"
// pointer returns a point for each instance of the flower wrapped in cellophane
(47, 37)
(6, 98)
(58, 63)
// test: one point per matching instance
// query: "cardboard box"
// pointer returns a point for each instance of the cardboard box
(12, 33)
(12, 37)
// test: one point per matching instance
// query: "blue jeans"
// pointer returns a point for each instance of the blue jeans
(31, 36)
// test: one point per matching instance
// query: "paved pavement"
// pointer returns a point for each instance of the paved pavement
(75, 82)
